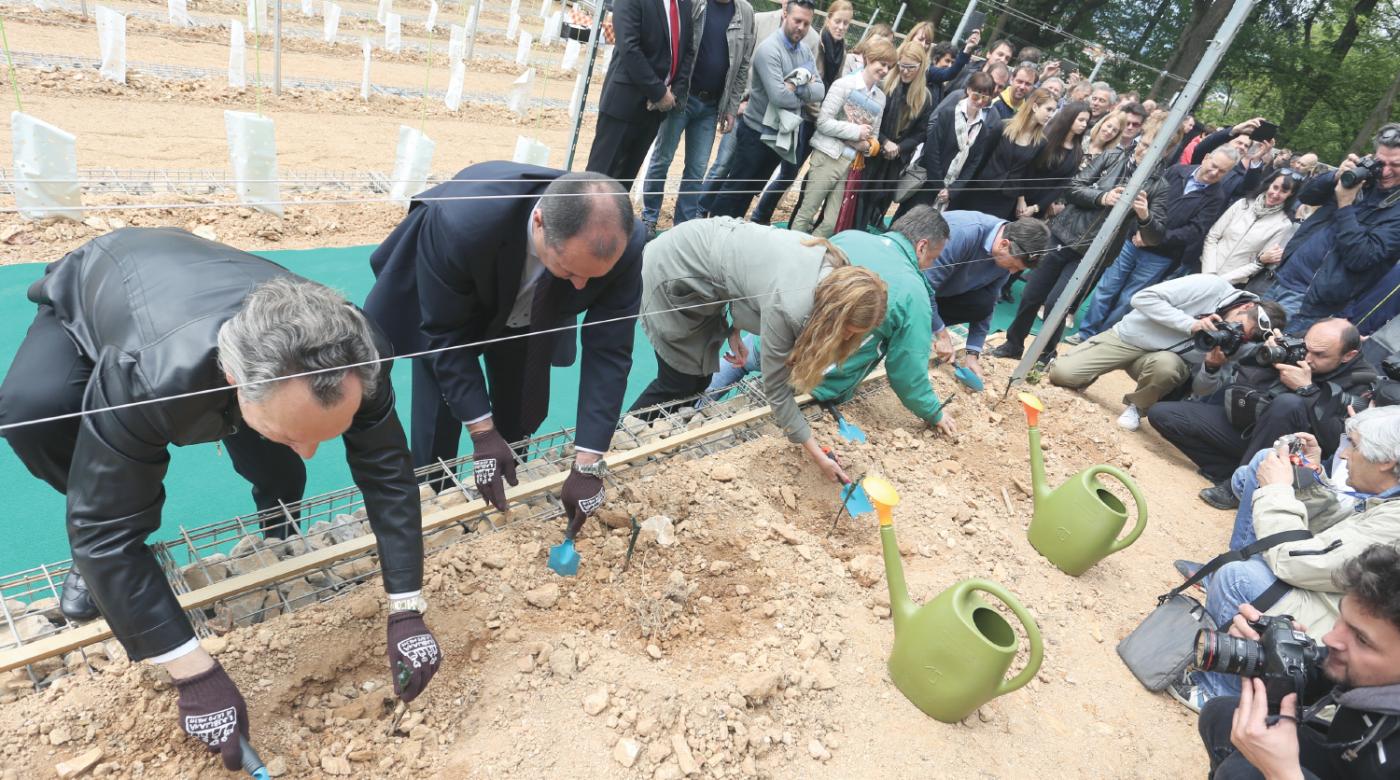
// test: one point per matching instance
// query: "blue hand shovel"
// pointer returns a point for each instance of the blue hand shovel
(968, 377)
(849, 431)
(853, 496)
(563, 558)
(252, 764)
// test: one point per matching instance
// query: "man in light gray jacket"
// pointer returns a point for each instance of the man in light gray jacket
(1149, 341)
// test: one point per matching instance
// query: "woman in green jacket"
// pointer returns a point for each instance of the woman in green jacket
(706, 280)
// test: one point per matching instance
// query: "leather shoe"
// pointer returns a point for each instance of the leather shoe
(1004, 350)
(1221, 496)
(75, 602)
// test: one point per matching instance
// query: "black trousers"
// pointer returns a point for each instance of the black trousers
(1046, 283)
(1226, 763)
(436, 432)
(620, 145)
(787, 174)
(753, 162)
(49, 376)
(1202, 431)
(670, 384)
(968, 307)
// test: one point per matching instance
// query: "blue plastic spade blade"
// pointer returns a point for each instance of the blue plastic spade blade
(857, 503)
(850, 431)
(563, 558)
(969, 378)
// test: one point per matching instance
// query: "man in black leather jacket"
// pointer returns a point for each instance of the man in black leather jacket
(140, 315)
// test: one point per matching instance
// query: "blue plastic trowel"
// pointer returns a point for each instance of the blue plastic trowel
(848, 430)
(855, 499)
(563, 558)
(252, 764)
(968, 377)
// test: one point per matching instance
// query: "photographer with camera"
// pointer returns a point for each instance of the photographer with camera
(1349, 241)
(1256, 736)
(1278, 388)
(1147, 343)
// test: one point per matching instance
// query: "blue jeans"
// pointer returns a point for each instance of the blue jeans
(1135, 269)
(728, 374)
(719, 169)
(697, 121)
(1232, 585)
(1244, 482)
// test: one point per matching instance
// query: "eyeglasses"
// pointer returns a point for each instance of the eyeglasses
(908, 66)
(1295, 175)
(803, 3)
(978, 97)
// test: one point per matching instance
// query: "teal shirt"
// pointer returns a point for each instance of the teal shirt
(903, 340)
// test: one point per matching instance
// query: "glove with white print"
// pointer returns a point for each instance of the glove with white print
(582, 495)
(414, 655)
(492, 460)
(213, 712)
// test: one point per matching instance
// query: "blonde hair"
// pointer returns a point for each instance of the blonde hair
(916, 91)
(1118, 116)
(1153, 125)
(878, 50)
(925, 27)
(1024, 121)
(837, 6)
(849, 298)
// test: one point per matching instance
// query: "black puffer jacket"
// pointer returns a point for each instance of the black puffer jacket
(145, 306)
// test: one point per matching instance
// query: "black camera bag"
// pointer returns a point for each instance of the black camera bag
(1244, 405)
(1163, 645)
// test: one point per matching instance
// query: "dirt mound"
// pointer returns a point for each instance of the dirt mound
(751, 644)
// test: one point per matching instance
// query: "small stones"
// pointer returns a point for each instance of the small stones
(822, 677)
(563, 662)
(596, 702)
(817, 750)
(684, 757)
(79, 764)
(654, 652)
(543, 597)
(867, 569)
(724, 472)
(661, 528)
(758, 686)
(625, 752)
(786, 532)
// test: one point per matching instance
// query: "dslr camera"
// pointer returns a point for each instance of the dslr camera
(1229, 336)
(1287, 660)
(1287, 349)
(1367, 168)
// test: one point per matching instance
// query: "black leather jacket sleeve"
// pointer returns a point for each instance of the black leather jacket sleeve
(114, 503)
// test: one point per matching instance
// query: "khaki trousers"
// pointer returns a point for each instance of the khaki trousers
(1157, 373)
(826, 184)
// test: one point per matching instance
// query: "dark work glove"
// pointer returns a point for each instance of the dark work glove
(492, 460)
(582, 495)
(213, 712)
(414, 655)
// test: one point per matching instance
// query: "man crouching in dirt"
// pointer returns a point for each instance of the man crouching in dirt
(141, 315)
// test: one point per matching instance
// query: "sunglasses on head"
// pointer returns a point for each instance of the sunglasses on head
(908, 66)
(1389, 136)
(1295, 175)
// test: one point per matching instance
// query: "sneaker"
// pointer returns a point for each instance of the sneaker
(650, 229)
(1074, 340)
(1187, 569)
(1221, 496)
(1130, 419)
(1188, 693)
(1005, 351)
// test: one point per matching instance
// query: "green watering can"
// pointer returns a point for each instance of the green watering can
(1076, 525)
(950, 655)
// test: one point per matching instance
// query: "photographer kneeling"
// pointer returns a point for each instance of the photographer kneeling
(1304, 386)
(1362, 661)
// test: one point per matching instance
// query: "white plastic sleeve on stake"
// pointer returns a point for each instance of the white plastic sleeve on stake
(515, 6)
(178, 13)
(111, 39)
(42, 5)
(257, 16)
(571, 53)
(512, 27)
(382, 15)
(308, 7)
(639, 183)
(529, 151)
(550, 33)
(46, 169)
(546, 7)
(413, 159)
(576, 99)
(331, 17)
(453, 99)
(456, 43)
(237, 56)
(364, 76)
(393, 37)
(252, 149)
(522, 49)
(607, 57)
(431, 23)
(518, 101)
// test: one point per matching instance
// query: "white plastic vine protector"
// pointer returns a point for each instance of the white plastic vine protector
(639, 184)
(522, 49)
(607, 57)
(546, 7)
(453, 98)
(471, 21)
(515, 6)
(46, 169)
(550, 33)
(382, 15)
(530, 151)
(111, 40)
(576, 99)
(431, 23)
(572, 49)
(257, 16)
(237, 56)
(331, 17)
(308, 7)
(413, 160)
(456, 43)
(178, 14)
(393, 33)
(252, 150)
(512, 27)
(518, 101)
(367, 47)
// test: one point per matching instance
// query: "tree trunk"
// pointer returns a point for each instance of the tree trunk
(1150, 28)
(1295, 113)
(1191, 45)
(1362, 144)
(1002, 19)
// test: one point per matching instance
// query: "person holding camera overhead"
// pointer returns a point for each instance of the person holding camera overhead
(1150, 341)
(1357, 210)
(1278, 388)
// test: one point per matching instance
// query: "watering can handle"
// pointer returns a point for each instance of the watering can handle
(1027, 622)
(1138, 500)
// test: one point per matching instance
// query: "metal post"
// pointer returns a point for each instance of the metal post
(276, 48)
(1098, 251)
(1098, 63)
(962, 24)
(898, 16)
(593, 39)
(471, 34)
(868, 23)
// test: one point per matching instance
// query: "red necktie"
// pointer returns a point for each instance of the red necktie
(675, 37)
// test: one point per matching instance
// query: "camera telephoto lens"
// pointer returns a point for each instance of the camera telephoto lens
(1217, 651)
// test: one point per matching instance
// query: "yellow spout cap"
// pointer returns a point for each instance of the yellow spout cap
(883, 495)
(1032, 406)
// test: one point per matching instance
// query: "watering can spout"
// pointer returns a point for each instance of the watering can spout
(1033, 407)
(883, 495)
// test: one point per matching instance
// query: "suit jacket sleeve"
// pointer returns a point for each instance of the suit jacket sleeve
(122, 456)
(377, 452)
(1209, 144)
(447, 300)
(690, 33)
(607, 350)
(935, 167)
(627, 26)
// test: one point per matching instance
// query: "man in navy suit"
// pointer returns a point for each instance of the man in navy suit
(648, 76)
(511, 254)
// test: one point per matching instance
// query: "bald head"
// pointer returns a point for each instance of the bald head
(1331, 343)
(581, 226)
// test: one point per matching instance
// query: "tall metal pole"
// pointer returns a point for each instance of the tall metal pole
(1104, 241)
(868, 23)
(1098, 63)
(471, 34)
(900, 15)
(593, 39)
(962, 25)
(276, 48)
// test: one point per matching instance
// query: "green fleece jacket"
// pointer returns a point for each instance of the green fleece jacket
(904, 339)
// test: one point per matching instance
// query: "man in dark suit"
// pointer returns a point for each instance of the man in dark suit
(510, 254)
(649, 75)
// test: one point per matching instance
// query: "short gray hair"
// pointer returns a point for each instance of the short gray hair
(1228, 151)
(575, 201)
(291, 326)
(1378, 432)
(1103, 86)
(922, 223)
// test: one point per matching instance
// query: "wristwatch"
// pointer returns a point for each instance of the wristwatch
(415, 604)
(597, 468)
(1307, 390)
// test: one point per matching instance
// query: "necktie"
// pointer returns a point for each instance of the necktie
(674, 8)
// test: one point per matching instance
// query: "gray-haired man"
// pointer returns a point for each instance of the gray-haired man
(140, 315)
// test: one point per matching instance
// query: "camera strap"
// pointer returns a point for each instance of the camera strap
(1244, 554)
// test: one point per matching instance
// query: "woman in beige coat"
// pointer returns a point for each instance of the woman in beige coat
(706, 280)
(1250, 235)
